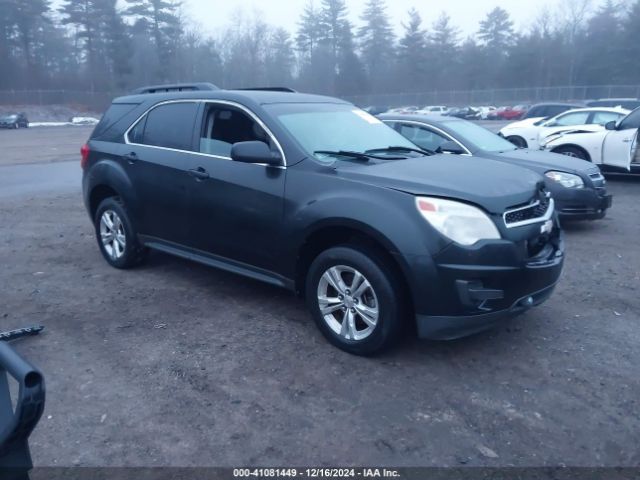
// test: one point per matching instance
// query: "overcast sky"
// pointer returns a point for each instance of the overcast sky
(466, 14)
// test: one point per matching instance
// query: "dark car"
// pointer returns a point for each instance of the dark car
(468, 113)
(14, 120)
(577, 186)
(626, 103)
(317, 196)
(548, 110)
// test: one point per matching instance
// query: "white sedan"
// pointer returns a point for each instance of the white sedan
(615, 148)
(532, 132)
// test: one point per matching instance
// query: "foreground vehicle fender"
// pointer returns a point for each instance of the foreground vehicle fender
(106, 178)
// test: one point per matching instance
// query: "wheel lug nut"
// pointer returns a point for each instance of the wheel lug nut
(340, 297)
(348, 292)
(353, 310)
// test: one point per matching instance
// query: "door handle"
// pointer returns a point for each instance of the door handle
(199, 173)
(131, 157)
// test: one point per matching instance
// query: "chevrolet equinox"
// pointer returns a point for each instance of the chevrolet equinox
(317, 196)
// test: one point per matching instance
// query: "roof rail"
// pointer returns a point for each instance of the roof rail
(176, 87)
(268, 89)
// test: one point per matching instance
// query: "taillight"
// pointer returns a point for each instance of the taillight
(84, 151)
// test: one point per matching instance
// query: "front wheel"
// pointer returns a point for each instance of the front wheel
(354, 298)
(518, 141)
(571, 152)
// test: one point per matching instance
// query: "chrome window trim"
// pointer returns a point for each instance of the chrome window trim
(210, 155)
(428, 125)
(544, 218)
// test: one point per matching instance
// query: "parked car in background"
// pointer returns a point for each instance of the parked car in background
(548, 110)
(485, 111)
(513, 113)
(577, 186)
(14, 120)
(614, 148)
(279, 187)
(433, 110)
(530, 133)
(408, 109)
(375, 110)
(626, 103)
(468, 113)
(495, 114)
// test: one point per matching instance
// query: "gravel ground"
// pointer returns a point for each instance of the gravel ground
(178, 364)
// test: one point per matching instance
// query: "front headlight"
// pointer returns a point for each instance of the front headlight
(567, 180)
(458, 221)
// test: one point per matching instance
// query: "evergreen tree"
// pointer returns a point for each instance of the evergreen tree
(162, 19)
(443, 47)
(376, 42)
(279, 59)
(630, 46)
(333, 22)
(602, 62)
(496, 30)
(412, 54)
(309, 30)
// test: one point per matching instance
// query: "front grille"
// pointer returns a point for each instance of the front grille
(537, 209)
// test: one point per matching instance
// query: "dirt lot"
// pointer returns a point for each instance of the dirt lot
(178, 364)
(42, 144)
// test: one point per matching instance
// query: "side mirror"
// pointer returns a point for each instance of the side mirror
(255, 152)
(610, 125)
(450, 147)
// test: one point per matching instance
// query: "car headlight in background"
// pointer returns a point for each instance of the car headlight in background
(458, 221)
(567, 180)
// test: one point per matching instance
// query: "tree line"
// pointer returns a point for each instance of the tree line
(104, 45)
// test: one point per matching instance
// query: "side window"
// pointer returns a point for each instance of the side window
(170, 126)
(422, 137)
(602, 118)
(631, 121)
(553, 110)
(570, 119)
(137, 132)
(224, 126)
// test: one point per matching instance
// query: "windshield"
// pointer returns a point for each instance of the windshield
(320, 127)
(9, 117)
(480, 137)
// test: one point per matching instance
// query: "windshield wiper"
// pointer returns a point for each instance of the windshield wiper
(423, 151)
(358, 155)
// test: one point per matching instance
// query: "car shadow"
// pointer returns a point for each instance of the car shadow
(292, 308)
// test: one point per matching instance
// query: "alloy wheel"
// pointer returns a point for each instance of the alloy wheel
(348, 302)
(112, 234)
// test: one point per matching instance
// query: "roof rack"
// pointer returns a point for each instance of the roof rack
(268, 89)
(176, 87)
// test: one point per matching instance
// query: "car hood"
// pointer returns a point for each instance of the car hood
(527, 122)
(541, 161)
(493, 185)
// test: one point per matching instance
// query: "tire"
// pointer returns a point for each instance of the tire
(570, 151)
(518, 141)
(122, 250)
(378, 292)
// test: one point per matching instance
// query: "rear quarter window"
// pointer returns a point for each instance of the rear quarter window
(114, 113)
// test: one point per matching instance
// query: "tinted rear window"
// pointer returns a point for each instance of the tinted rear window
(115, 112)
(171, 126)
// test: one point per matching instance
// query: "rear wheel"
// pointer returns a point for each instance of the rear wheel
(116, 235)
(570, 151)
(518, 141)
(353, 296)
